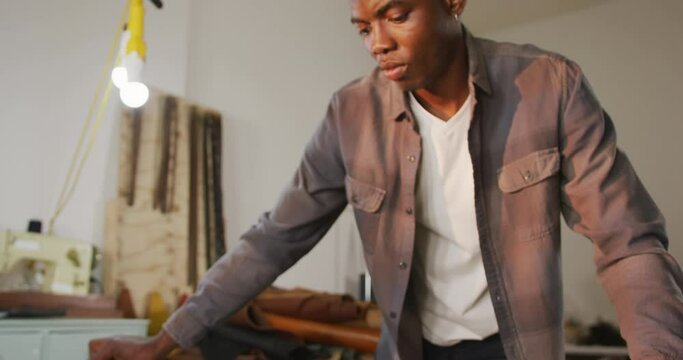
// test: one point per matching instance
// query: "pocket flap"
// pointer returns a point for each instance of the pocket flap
(364, 196)
(528, 170)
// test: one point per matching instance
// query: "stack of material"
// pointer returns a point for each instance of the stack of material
(165, 227)
(297, 324)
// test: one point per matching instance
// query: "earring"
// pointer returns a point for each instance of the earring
(457, 17)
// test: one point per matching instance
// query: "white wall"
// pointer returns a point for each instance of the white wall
(631, 52)
(270, 67)
(53, 53)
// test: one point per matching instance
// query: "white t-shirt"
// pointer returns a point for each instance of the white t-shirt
(453, 298)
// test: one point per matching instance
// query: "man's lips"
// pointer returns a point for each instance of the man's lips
(393, 71)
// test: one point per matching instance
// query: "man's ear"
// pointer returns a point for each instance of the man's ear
(456, 7)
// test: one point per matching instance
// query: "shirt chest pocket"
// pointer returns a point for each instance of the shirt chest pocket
(530, 204)
(364, 196)
(366, 201)
(529, 170)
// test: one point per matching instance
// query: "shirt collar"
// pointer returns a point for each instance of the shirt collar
(396, 102)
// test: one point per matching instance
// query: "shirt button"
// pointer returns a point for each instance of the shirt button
(392, 315)
(403, 265)
(528, 176)
(497, 298)
(411, 158)
(409, 211)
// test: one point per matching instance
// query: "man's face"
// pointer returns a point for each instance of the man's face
(411, 40)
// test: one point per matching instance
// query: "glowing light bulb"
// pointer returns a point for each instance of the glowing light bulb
(119, 76)
(134, 94)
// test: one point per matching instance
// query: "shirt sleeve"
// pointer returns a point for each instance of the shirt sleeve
(305, 211)
(604, 200)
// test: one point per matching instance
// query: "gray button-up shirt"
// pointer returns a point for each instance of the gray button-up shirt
(541, 146)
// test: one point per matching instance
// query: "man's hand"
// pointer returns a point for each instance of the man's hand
(131, 348)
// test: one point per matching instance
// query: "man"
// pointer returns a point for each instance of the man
(458, 155)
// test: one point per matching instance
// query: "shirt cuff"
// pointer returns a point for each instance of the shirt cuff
(184, 328)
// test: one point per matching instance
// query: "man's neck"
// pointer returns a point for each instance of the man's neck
(449, 92)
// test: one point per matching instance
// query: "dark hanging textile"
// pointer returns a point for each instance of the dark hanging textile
(215, 236)
(164, 190)
(193, 226)
(136, 127)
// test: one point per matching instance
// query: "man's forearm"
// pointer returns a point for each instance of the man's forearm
(164, 343)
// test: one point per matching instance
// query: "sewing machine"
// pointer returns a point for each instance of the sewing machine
(63, 265)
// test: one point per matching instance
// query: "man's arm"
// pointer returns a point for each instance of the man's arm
(603, 199)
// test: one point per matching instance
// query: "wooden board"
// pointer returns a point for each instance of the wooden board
(147, 249)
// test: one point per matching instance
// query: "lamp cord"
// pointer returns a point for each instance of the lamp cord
(73, 175)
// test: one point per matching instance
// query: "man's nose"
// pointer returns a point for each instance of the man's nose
(382, 42)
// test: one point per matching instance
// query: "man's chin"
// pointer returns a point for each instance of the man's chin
(406, 84)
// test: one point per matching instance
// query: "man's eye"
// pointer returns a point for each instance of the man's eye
(399, 18)
(364, 32)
